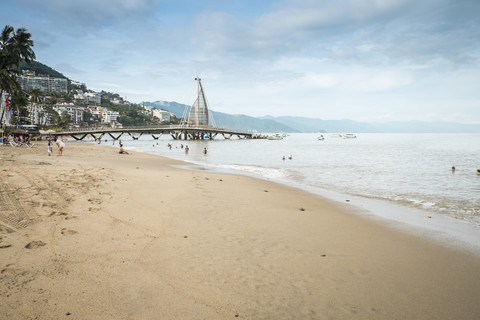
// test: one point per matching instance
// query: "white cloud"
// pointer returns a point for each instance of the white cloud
(381, 81)
(322, 81)
(354, 59)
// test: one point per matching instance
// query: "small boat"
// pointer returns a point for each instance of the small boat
(349, 136)
(321, 137)
(275, 137)
(336, 136)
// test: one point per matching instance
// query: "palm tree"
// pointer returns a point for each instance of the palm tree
(15, 46)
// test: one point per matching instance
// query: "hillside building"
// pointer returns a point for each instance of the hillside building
(93, 97)
(104, 115)
(75, 113)
(163, 115)
(29, 81)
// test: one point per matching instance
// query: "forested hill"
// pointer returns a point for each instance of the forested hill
(40, 68)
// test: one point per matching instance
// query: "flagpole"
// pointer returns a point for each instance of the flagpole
(1, 115)
(3, 109)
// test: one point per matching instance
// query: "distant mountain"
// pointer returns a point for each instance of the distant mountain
(243, 122)
(174, 107)
(302, 124)
(236, 122)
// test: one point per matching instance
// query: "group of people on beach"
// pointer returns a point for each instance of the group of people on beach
(453, 170)
(18, 139)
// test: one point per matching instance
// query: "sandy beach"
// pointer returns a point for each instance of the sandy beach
(94, 234)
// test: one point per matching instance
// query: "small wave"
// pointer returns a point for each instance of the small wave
(421, 203)
(269, 173)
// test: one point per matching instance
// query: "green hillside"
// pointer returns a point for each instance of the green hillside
(40, 68)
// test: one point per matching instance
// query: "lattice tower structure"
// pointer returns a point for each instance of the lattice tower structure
(199, 115)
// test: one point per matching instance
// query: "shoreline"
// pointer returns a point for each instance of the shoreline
(132, 237)
(448, 231)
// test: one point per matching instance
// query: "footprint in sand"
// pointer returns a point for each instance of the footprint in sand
(68, 232)
(95, 201)
(9, 270)
(55, 213)
(35, 244)
(4, 245)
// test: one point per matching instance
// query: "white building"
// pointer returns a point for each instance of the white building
(110, 116)
(75, 113)
(77, 83)
(161, 114)
(28, 81)
(93, 97)
(104, 115)
(38, 114)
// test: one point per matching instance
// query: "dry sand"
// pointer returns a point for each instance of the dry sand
(98, 235)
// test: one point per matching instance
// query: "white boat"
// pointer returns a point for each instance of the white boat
(349, 136)
(321, 137)
(275, 137)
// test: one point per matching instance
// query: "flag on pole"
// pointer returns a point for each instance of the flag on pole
(8, 103)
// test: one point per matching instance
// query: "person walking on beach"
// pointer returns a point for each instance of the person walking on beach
(60, 145)
(453, 169)
(49, 148)
(205, 150)
(186, 149)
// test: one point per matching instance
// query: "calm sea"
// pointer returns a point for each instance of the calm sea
(410, 170)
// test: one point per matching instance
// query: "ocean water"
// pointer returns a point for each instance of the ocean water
(409, 170)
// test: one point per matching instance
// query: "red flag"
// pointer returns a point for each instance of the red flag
(8, 103)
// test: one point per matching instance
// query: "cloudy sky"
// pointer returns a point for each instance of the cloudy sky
(366, 60)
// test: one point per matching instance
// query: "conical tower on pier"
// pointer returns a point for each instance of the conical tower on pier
(199, 113)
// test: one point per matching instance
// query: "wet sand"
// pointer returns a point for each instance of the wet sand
(98, 235)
